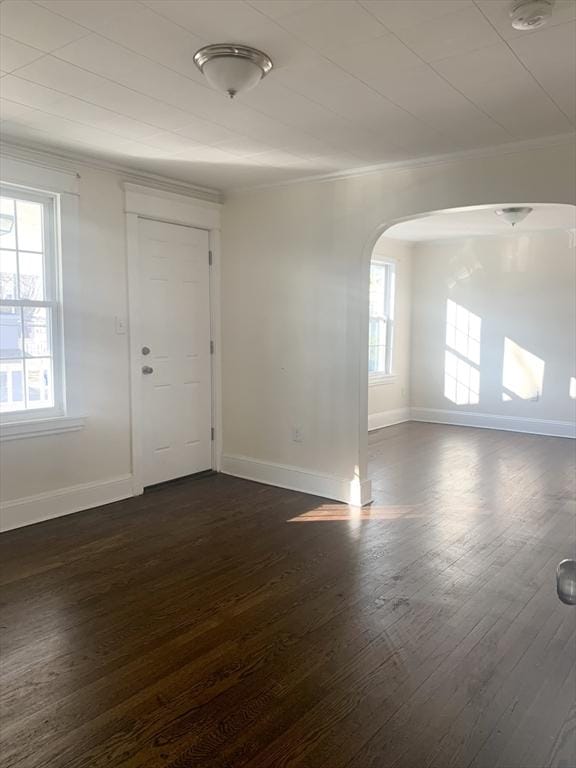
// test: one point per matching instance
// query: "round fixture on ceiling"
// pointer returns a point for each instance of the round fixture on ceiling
(515, 214)
(530, 14)
(232, 68)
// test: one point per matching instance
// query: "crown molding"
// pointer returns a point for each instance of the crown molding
(419, 162)
(48, 158)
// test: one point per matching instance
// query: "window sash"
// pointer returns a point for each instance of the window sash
(51, 302)
(381, 332)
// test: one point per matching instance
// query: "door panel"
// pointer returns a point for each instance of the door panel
(175, 323)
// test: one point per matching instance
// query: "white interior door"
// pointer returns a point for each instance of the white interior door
(175, 356)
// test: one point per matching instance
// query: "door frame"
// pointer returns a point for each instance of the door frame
(170, 208)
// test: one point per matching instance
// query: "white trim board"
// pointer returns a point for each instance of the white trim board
(16, 430)
(160, 205)
(490, 421)
(65, 501)
(511, 147)
(27, 173)
(44, 155)
(387, 418)
(298, 479)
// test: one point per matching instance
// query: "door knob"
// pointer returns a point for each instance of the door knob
(146, 369)
(566, 581)
(145, 350)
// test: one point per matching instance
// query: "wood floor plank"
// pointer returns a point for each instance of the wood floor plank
(218, 623)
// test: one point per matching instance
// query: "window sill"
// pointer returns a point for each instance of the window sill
(14, 430)
(376, 379)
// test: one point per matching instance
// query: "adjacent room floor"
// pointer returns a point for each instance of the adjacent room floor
(217, 622)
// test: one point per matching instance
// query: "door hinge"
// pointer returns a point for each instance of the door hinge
(210, 258)
(211, 347)
(212, 434)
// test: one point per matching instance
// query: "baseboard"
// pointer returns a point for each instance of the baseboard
(491, 421)
(353, 492)
(65, 501)
(387, 418)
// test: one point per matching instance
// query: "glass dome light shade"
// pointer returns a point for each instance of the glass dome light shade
(232, 75)
(514, 215)
(232, 68)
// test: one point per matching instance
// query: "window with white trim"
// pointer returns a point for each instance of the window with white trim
(381, 334)
(31, 354)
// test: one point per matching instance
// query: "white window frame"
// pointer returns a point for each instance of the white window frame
(40, 179)
(53, 301)
(388, 376)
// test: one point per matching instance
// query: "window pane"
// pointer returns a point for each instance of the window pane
(377, 289)
(39, 383)
(7, 218)
(377, 331)
(11, 385)
(37, 331)
(377, 359)
(8, 275)
(31, 276)
(29, 218)
(10, 332)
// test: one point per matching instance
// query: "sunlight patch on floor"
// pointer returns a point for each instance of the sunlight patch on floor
(332, 512)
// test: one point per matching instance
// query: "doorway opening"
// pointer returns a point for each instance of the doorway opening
(472, 322)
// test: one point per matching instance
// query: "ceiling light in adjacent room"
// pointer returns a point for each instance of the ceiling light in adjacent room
(232, 68)
(514, 215)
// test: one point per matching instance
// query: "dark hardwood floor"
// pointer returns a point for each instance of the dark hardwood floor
(220, 623)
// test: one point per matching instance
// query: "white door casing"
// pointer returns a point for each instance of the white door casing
(176, 408)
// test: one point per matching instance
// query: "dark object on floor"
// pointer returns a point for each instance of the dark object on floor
(566, 581)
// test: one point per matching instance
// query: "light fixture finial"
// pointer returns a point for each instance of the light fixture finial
(514, 214)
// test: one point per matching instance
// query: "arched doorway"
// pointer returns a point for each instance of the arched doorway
(502, 387)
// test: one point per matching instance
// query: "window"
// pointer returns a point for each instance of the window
(30, 306)
(381, 335)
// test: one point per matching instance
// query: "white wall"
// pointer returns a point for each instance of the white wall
(523, 287)
(388, 402)
(295, 323)
(99, 454)
(295, 310)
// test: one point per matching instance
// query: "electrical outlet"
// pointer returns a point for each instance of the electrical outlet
(297, 436)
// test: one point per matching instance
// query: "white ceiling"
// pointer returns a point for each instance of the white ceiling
(477, 222)
(354, 83)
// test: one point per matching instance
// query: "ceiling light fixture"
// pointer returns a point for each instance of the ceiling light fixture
(514, 215)
(232, 68)
(530, 14)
